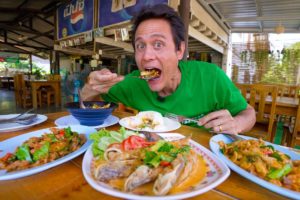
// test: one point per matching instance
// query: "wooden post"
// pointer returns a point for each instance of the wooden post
(184, 12)
(30, 63)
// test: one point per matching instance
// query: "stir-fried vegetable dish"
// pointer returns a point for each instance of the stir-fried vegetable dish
(97, 106)
(149, 74)
(137, 165)
(40, 150)
(264, 161)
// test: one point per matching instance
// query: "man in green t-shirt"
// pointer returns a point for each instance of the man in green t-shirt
(188, 88)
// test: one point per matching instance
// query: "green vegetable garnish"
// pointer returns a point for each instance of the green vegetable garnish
(42, 152)
(23, 153)
(278, 173)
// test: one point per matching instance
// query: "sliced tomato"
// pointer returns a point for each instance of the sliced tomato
(164, 163)
(62, 132)
(6, 157)
(126, 145)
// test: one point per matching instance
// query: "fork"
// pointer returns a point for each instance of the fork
(233, 137)
(142, 77)
(16, 117)
(181, 119)
(24, 120)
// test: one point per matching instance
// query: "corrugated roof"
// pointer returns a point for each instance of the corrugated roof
(256, 15)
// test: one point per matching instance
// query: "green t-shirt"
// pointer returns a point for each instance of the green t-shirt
(204, 88)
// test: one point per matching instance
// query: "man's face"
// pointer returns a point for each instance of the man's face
(155, 48)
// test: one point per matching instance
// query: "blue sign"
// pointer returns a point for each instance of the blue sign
(75, 17)
(116, 11)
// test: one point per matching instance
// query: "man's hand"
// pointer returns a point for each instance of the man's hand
(99, 82)
(220, 122)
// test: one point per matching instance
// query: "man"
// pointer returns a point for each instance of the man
(188, 88)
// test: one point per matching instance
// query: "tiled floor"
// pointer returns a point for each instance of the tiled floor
(8, 105)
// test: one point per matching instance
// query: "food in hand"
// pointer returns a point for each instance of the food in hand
(150, 74)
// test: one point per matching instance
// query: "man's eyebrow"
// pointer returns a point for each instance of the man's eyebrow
(153, 35)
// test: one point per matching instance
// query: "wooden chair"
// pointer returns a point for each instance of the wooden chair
(22, 91)
(289, 91)
(295, 139)
(17, 88)
(244, 89)
(263, 99)
(46, 95)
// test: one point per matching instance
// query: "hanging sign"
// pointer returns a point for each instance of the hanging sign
(74, 18)
(116, 11)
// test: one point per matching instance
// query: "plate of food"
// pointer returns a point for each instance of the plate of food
(149, 121)
(70, 120)
(173, 167)
(40, 150)
(8, 127)
(272, 166)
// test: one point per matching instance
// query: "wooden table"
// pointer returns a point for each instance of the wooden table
(284, 105)
(287, 106)
(36, 84)
(66, 181)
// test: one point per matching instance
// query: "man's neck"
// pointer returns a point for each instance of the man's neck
(174, 83)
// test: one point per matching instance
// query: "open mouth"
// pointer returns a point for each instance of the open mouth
(150, 74)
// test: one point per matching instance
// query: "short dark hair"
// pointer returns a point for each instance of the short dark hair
(161, 11)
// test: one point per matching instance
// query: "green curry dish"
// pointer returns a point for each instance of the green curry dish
(42, 152)
(23, 153)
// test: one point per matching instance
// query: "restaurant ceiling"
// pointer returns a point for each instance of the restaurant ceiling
(255, 16)
(27, 26)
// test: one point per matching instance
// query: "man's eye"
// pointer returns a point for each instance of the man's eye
(140, 46)
(158, 45)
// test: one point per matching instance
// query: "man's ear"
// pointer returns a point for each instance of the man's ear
(181, 50)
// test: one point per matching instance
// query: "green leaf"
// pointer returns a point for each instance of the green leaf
(42, 152)
(166, 147)
(276, 155)
(23, 153)
(68, 132)
(268, 146)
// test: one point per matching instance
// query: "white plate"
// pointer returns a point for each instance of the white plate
(280, 190)
(8, 127)
(11, 144)
(169, 125)
(217, 174)
(70, 120)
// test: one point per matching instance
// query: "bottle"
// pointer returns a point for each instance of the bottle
(75, 93)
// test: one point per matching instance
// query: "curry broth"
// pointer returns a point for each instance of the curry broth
(198, 173)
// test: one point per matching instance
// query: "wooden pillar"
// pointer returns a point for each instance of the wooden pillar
(184, 12)
(54, 62)
(30, 63)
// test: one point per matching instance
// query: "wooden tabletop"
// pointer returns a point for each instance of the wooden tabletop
(66, 181)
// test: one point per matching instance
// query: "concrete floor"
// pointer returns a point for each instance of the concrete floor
(8, 104)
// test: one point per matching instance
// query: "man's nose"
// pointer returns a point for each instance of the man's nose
(149, 54)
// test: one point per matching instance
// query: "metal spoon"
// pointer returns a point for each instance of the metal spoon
(81, 104)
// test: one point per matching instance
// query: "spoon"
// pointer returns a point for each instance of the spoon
(81, 104)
